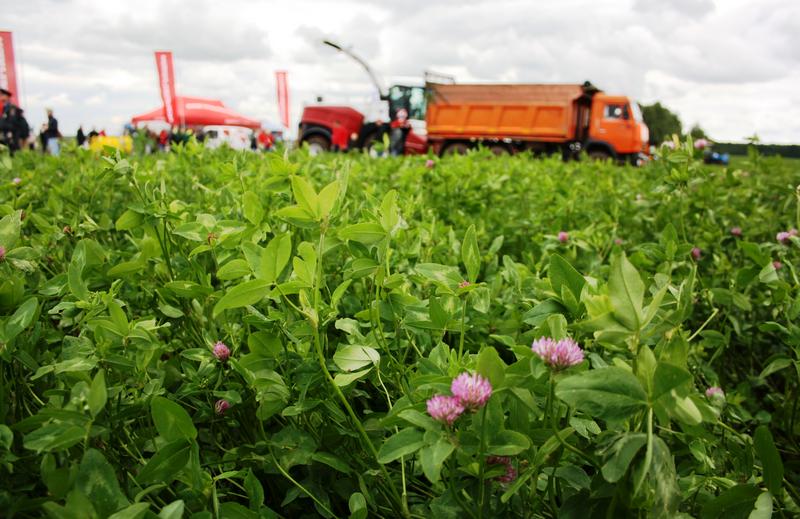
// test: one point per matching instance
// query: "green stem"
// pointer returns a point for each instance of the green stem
(375, 318)
(612, 507)
(791, 490)
(681, 204)
(797, 208)
(482, 464)
(299, 485)
(648, 457)
(164, 251)
(404, 495)
(463, 319)
(336, 389)
(555, 426)
(402, 458)
(356, 422)
(551, 396)
(702, 326)
(168, 243)
(551, 478)
(456, 495)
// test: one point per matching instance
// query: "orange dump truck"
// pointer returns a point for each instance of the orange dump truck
(508, 118)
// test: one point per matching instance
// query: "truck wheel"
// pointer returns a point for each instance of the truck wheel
(317, 144)
(499, 149)
(599, 154)
(455, 148)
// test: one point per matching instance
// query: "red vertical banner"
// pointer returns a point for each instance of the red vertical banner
(8, 70)
(166, 82)
(283, 97)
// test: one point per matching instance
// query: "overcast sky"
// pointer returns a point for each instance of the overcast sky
(731, 65)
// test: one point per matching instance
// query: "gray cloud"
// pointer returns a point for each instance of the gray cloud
(198, 31)
(690, 7)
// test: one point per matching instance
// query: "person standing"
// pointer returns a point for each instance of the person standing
(265, 140)
(11, 129)
(399, 129)
(163, 140)
(51, 134)
(7, 116)
(43, 138)
(80, 137)
(21, 129)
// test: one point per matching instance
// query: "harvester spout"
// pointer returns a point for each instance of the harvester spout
(372, 76)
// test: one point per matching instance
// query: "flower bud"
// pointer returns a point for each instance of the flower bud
(472, 390)
(445, 409)
(221, 351)
(560, 354)
(716, 395)
(511, 472)
(221, 406)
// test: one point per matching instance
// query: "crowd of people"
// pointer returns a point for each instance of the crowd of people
(15, 132)
(148, 141)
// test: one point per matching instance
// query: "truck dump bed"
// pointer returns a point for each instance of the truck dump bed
(523, 111)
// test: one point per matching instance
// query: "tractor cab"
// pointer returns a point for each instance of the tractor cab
(414, 100)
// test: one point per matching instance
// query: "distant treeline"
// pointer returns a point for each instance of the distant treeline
(784, 150)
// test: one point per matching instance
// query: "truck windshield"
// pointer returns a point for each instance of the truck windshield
(637, 112)
(410, 98)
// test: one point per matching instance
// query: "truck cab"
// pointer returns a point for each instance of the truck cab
(616, 129)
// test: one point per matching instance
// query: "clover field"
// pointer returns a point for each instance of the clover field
(221, 334)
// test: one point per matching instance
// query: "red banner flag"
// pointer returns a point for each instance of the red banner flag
(166, 82)
(8, 71)
(283, 97)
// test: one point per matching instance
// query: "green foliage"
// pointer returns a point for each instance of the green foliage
(350, 290)
(610, 393)
(696, 132)
(661, 122)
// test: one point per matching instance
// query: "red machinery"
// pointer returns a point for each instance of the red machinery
(319, 125)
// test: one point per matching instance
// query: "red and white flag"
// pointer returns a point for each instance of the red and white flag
(8, 70)
(283, 97)
(166, 82)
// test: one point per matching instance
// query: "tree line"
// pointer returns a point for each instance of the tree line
(663, 123)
